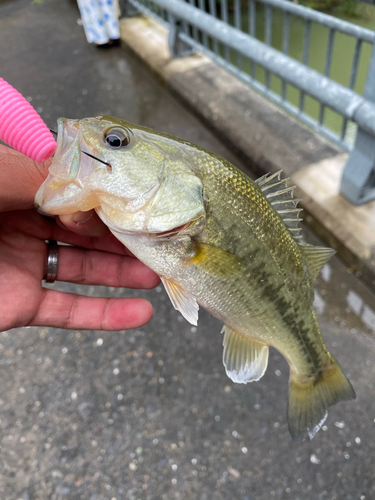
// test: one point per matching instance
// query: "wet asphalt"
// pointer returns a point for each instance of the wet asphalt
(149, 413)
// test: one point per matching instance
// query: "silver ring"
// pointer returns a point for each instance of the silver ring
(52, 259)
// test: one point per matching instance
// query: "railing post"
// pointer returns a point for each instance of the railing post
(127, 9)
(358, 178)
(177, 47)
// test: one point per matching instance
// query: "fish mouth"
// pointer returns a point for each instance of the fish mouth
(67, 133)
(61, 192)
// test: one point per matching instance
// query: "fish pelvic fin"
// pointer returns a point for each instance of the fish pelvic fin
(244, 358)
(310, 399)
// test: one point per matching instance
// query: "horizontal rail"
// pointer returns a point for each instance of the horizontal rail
(273, 96)
(294, 110)
(328, 21)
(339, 98)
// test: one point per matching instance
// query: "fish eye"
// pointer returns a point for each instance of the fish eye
(116, 138)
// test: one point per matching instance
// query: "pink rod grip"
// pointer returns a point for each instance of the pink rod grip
(21, 127)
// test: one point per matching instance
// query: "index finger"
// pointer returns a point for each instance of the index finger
(90, 267)
(72, 311)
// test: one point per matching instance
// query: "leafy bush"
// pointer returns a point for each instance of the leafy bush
(347, 7)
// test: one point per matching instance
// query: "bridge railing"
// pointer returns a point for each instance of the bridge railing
(229, 34)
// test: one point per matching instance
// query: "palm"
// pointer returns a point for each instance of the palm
(101, 261)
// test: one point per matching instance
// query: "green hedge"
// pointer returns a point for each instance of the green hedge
(347, 7)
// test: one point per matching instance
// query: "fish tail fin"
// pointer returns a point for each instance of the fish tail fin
(309, 399)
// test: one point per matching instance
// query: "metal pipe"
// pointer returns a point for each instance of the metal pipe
(305, 58)
(195, 31)
(353, 73)
(268, 39)
(224, 17)
(327, 70)
(202, 9)
(340, 99)
(270, 94)
(252, 31)
(324, 19)
(212, 8)
(286, 37)
(238, 25)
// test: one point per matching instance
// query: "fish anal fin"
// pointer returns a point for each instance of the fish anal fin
(215, 261)
(309, 400)
(316, 257)
(182, 301)
(244, 358)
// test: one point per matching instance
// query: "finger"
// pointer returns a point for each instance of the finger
(108, 243)
(21, 178)
(46, 228)
(71, 311)
(84, 223)
(91, 267)
(5, 150)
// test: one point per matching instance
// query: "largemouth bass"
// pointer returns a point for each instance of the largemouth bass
(216, 238)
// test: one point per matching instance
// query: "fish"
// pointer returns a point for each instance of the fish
(217, 239)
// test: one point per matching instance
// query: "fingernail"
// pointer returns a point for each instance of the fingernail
(81, 217)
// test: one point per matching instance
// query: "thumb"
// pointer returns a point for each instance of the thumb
(20, 179)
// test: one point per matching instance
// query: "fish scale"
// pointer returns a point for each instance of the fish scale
(217, 239)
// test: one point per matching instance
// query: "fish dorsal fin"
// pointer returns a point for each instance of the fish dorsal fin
(280, 196)
(182, 301)
(268, 178)
(244, 358)
(215, 261)
(316, 257)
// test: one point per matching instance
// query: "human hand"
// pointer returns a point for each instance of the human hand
(97, 261)
(96, 258)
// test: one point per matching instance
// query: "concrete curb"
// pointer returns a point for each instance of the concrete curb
(267, 139)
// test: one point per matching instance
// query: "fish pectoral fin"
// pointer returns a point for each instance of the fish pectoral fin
(244, 358)
(215, 261)
(182, 300)
(316, 257)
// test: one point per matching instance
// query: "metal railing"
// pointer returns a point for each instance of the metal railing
(230, 36)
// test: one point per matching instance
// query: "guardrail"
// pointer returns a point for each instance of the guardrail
(198, 28)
